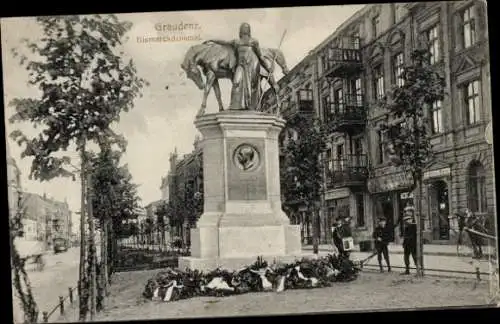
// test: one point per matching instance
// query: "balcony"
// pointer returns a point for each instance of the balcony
(349, 171)
(342, 60)
(346, 115)
(302, 107)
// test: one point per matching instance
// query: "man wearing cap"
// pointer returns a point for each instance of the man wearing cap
(382, 237)
(337, 235)
(409, 238)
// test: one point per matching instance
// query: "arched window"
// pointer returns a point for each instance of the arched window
(477, 188)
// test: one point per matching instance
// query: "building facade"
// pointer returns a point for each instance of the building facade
(185, 182)
(48, 218)
(345, 76)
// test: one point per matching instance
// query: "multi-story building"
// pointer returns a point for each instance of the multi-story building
(164, 188)
(50, 218)
(185, 181)
(344, 77)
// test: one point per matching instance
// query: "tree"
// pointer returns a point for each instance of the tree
(20, 279)
(85, 85)
(408, 133)
(301, 170)
(115, 199)
(162, 213)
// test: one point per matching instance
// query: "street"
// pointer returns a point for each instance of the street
(371, 291)
(60, 273)
(386, 290)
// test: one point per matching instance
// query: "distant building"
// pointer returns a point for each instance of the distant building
(151, 209)
(142, 215)
(48, 218)
(185, 180)
(14, 189)
(164, 187)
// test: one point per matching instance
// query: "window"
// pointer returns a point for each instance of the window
(306, 99)
(326, 108)
(376, 25)
(329, 166)
(360, 208)
(380, 151)
(472, 102)
(378, 78)
(437, 117)
(432, 36)
(339, 100)
(356, 40)
(306, 93)
(468, 28)
(323, 62)
(355, 92)
(477, 188)
(340, 156)
(358, 152)
(398, 68)
(358, 146)
(398, 14)
(329, 160)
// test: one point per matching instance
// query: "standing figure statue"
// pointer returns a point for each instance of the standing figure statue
(245, 92)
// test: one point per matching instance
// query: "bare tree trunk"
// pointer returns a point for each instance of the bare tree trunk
(104, 255)
(109, 253)
(92, 256)
(83, 242)
(420, 241)
(418, 211)
(315, 223)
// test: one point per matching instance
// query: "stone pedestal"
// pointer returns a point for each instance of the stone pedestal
(242, 216)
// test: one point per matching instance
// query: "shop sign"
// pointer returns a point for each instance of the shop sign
(337, 193)
(397, 181)
(444, 172)
(406, 195)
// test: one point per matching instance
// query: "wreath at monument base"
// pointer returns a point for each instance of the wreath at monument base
(173, 284)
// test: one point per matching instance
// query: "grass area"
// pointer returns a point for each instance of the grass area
(371, 291)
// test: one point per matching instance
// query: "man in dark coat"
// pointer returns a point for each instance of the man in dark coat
(409, 238)
(382, 237)
(337, 236)
(341, 231)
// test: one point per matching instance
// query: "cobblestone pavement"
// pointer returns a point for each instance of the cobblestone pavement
(370, 291)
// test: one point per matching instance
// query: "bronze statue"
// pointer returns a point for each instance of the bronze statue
(239, 60)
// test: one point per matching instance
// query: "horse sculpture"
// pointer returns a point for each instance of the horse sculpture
(219, 61)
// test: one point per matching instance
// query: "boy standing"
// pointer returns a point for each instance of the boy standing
(382, 236)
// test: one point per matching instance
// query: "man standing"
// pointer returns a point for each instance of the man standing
(409, 238)
(337, 236)
(342, 236)
(382, 237)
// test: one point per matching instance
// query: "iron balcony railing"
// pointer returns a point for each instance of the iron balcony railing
(350, 170)
(349, 110)
(338, 57)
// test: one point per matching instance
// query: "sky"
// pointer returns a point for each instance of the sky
(162, 119)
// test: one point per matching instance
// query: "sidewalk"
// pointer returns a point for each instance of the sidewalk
(429, 249)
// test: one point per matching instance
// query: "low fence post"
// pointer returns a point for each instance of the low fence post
(45, 317)
(61, 304)
(70, 290)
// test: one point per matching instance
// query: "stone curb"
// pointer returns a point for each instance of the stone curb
(447, 254)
